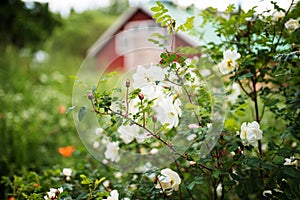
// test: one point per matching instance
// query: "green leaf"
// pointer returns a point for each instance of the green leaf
(160, 19)
(191, 185)
(245, 76)
(216, 173)
(85, 180)
(156, 15)
(82, 113)
(290, 171)
(155, 9)
(285, 152)
(153, 41)
(252, 162)
(189, 24)
(98, 181)
(158, 35)
(70, 109)
(229, 183)
(230, 8)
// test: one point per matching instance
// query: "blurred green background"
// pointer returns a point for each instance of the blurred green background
(40, 50)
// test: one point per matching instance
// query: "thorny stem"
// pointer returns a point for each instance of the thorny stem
(144, 118)
(156, 136)
(173, 41)
(243, 88)
(187, 93)
(262, 112)
(256, 109)
(157, 178)
(258, 121)
(127, 102)
(178, 170)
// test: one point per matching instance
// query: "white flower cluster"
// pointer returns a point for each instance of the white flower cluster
(250, 133)
(168, 181)
(53, 193)
(153, 86)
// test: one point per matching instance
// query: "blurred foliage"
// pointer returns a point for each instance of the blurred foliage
(79, 32)
(35, 87)
(26, 24)
(117, 6)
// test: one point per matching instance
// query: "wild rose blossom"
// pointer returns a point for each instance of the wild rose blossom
(277, 15)
(114, 195)
(168, 112)
(67, 172)
(168, 181)
(131, 132)
(229, 63)
(53, 193)
(112, 151)
(292, 24)
(144, 76)
(250, 133)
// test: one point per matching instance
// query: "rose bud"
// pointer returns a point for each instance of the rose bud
(141, 96)
(90, 96)
(154, 118)
(127, 83)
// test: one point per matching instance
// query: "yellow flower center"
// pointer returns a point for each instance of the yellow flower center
(229, 63)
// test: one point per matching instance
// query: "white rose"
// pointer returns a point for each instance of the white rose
(250, 133)
(114, 195)
(67, 172)
(131, 132)
(277, 15)
(168, 112)
(168, 181)
(112, 151)
(292, 24)
(147, 75)
(228, 63)
(53, 193)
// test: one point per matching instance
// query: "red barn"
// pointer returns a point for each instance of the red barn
(125, 44)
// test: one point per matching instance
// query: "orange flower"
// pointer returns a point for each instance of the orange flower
(62, 109)
(11, 198)
(66, 151)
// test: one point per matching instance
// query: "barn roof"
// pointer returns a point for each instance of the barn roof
(178, 14)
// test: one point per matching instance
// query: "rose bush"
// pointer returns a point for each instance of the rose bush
(254, 157)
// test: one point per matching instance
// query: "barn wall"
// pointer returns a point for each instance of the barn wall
(108, 58)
